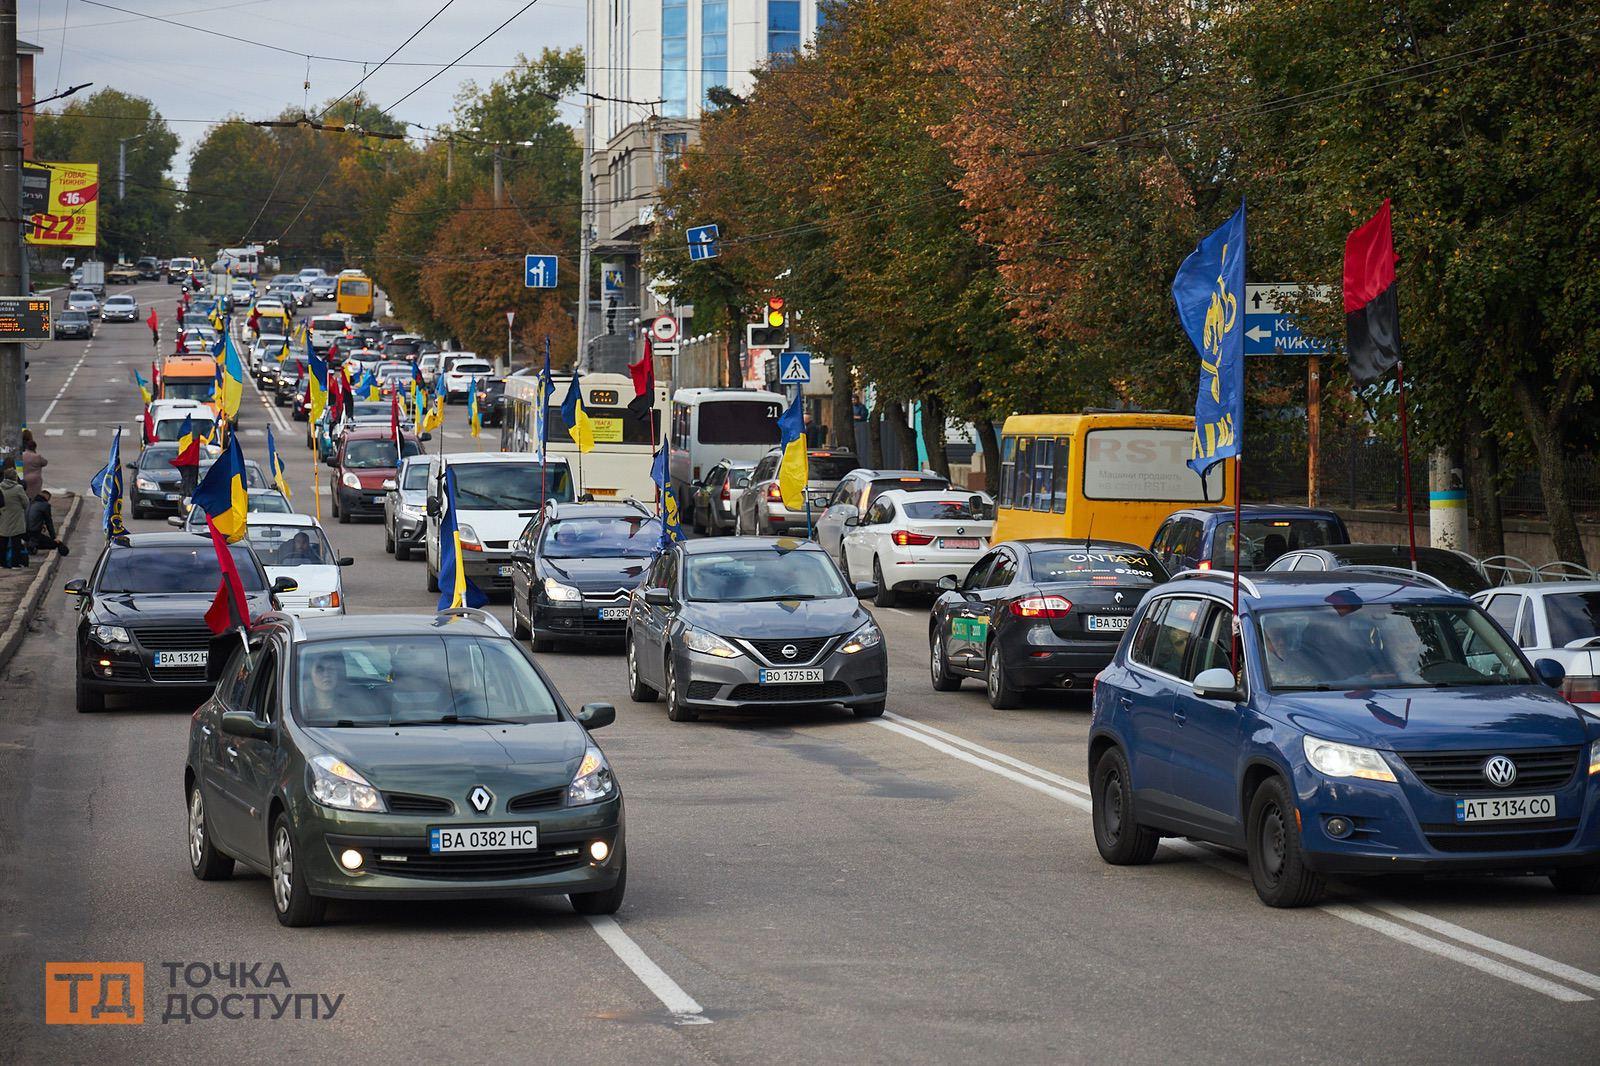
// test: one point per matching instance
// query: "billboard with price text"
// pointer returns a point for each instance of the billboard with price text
(61, 202)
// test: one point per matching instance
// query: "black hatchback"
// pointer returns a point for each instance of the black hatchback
(141, 615)
(574, 568)
(1037, 614)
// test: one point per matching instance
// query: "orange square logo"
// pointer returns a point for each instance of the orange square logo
(94, 993)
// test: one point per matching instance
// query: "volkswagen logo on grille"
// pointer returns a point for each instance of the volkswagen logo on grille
(481, 799)
(1499, 771)
(789, 651)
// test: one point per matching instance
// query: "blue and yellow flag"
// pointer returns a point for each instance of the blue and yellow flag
(280, 476)
(107, 485)
(794, 470)
(316, 383)
(144, 387)
(455, 588)
(474, 422)
(543, 393)
(579, 425)
(1209, 291)
(188, 445)
(671, 526)
(223, 495)
(232, 378)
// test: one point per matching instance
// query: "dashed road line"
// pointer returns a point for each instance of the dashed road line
(684, 1007)
(63, 390)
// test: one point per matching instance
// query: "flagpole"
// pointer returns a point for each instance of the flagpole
(1405, 457)
(1238, 532)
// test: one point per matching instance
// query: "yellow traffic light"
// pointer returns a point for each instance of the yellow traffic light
(775, 316)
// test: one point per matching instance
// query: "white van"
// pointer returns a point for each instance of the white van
(496, 494)
(325, 329)
(709, 425)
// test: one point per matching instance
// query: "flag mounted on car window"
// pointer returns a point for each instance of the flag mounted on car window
(1209, 292)
(794, 470)
(222, 494)
(275, 467)
(455, 588)
(1371, 312)
(188, 445)
(229, 609)
(671, 524)
(317, 384)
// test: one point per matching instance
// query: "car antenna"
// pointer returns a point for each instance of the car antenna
(1088, 540)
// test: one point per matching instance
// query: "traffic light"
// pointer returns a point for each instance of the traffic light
(773, 329)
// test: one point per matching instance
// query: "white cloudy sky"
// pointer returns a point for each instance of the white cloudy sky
(195, 77)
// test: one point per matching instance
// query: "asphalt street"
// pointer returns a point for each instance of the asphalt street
(802, 888)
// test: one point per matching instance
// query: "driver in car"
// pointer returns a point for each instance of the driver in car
(332, 695)
(300, 552)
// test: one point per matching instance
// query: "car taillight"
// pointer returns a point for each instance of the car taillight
(904, 538)
(726, 496)
(774, 493)
(1203, 564)
(1041, 607)
(1581, 689)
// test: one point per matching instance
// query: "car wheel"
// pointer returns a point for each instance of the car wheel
(433, 580)
(291, 900)
(344, 514)
(388, 540)
(676, 711)
(1003, 695)
(885, 596)
(205, 861)
(943, 679)
(402, 550)
(1277, 864)
(608, 901)
(538, 643)
(870, 710)
(333, 505)
(638, 691)
(89, 701)
(1579, 881)
(844, 566)
(1122, 841)
(519, 628)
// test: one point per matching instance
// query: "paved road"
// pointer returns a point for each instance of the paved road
(803, 888)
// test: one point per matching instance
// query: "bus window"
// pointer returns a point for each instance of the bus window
(1008, 472)
(1058, 501)
(1023, 499)
(738, 422)
(1145, 463)
(1044, 469)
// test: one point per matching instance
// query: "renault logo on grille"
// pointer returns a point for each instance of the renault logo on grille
(1499, 771)
(481, 799)
(789, 651)
(1119, 597)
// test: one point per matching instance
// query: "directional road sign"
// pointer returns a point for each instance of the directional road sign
(702, 242)
(539, 271)
(794, 368)
(1269, 329)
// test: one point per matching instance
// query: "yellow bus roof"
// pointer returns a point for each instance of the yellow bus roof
(1069, 424)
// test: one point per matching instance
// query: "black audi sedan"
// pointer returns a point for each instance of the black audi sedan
(141, 615)
(1037, 614)
(574, 568)
(753, 622)
(406, 757)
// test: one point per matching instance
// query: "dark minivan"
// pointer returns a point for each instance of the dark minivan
(1200, 538)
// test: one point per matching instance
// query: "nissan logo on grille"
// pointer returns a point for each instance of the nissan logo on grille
(789, 651)
(1499, 771)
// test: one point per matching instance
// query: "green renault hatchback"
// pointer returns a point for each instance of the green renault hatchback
(400, 757)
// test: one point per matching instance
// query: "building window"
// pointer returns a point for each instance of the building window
(713, 45)
(672, 146)
(675, 58)
(783, 27)
(823, 18)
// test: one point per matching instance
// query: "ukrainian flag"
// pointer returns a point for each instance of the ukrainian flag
(455, 588)
(232, 378)
(275, 466)
(188, 445)
(579, 426)
(144, 389)
(795, 468)
(474, 422)
(317, 386)
(222, 494)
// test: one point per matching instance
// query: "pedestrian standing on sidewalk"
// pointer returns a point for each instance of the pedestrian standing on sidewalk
(33, 465)
(13, 518)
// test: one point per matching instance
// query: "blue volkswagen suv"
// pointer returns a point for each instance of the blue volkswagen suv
(1375, 724)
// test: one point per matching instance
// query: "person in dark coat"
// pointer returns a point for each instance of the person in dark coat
(42, 527)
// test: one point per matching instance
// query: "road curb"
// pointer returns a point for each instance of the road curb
(11, 639)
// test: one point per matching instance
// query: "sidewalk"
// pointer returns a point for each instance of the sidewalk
(23, 591)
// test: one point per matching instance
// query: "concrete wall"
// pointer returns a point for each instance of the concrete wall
(1525, 539)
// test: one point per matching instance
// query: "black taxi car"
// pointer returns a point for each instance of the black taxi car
(574, 569)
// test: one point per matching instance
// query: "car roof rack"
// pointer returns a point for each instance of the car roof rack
(1392, 571)
(473, 614)
(1218, 575)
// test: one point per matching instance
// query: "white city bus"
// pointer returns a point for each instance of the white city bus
(624, 443)
(709, 425)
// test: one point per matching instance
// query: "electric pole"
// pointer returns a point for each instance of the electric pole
(499, 182)
(583, 239)
(13, 398)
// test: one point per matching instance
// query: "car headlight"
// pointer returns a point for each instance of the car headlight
(556, 592)
(708, 643)
(350, 480)
(868, 636)
(593, 781)
(144, 484)
(1594, 757)
(1346, 760)
(335, 784)
(469, 538)
(388, 483)
(329, 600)
(114, 635)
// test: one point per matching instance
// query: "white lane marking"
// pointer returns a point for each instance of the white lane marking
(1006, 766)
(63, 390)
(87, 432)
(54, 432)
(685, 1009)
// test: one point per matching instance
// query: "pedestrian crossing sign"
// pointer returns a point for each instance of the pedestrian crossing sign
(794, 368)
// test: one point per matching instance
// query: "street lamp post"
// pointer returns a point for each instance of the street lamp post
(122, 164)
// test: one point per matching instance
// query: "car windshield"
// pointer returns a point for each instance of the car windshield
(289, 545)
(157, 455)
(1572, 616)
(743, 577)
(509, 486)
(328, 325)
(912, 483)
(74, 316)
(175, 568)
(740, 478)
(618, 537)
(374, 454)
(972, 509)
(465, 367)
(1097, 564)
(253, 477)
(171, 428)
(419, 680)
(1351, 645)
(120, 301)
(272, 327)
(174, 389)
(370, 410)
(829, 467)
(416, 477)
(1267, 538)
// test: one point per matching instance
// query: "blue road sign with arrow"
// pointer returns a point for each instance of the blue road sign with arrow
(1269, 329)
(539, 271)
(702, 242)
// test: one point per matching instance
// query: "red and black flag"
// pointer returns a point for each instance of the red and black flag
(229, 609)
(1371, 315)
(644, 381)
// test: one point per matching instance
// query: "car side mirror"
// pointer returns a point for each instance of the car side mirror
(244, 724)
(133, 466)
(285, 584)
(947, 584)
(596, 715)
(866, 589)
(1552, 673)
(425, 436)
(347, 560)
(658, 597)
(76, 587)
(388, 483)
(433, 507)
(175, 521)
(852, 520)
(1216, 684)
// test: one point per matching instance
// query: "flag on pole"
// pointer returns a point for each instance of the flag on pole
(644, 381)
(154, 323)
(229, 609)
(139, 382)
(1371, 312)
(280, 476)
(671, 526)
(188, 445)
(794, 469)
(1208, 289)
(232, 378)
(317, 386)
(545, 391)
(455, 588)
(155, 377)
(222, 494)
(579, 426)
(474, 421)
(107, 485)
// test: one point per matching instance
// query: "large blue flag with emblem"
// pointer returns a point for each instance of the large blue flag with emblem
(1209, 291)
(671, 524)
(456, 589)
(107, 485)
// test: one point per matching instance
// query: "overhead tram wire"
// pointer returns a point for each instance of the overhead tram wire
(386, 59)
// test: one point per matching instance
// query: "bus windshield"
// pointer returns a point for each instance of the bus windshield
(352, 287)
(1145, 463)
(739, 422)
